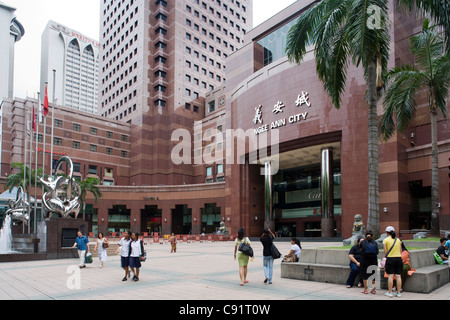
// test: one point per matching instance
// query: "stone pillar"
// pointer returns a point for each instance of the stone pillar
(268, 196)
(327, 193)
(196, 220)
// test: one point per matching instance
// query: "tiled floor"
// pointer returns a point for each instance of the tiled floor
(198, 271)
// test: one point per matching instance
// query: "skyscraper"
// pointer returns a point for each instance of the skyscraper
(75, 59)
(11, 31)
(158, 59)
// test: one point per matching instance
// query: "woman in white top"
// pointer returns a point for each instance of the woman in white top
(296, 249)
(102, 255)
(136, 251)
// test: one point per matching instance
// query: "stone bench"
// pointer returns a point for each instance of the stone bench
(332, 266)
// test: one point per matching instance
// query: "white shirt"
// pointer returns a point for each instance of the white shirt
(135, 248)
(297, 250)
(124, 247)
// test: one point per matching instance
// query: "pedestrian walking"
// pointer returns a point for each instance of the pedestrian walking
(267, 242)
(173, 243)
(101, 245)
(81, 242)
(136, 252)
(124, 247)
(242, 258)
(369, 257)
(394, 263)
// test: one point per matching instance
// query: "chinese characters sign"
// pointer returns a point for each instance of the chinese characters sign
(278, 109)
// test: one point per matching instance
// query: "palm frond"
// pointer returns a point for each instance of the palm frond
(399, 102)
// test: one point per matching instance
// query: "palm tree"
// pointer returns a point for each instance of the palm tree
(17, 179)
(89, 185)
(439, 10)
(431, 74)
(345, 31)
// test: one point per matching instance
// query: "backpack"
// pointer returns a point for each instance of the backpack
(371, 247)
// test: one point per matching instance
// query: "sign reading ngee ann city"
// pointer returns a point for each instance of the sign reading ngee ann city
(278, 108)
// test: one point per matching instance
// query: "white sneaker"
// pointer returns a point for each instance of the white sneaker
(389, 294)
(399, 294)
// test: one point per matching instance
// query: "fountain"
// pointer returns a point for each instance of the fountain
(62, 203)
(6, 236)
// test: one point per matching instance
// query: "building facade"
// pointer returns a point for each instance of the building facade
(266, 149)
(11, 31)
(158, 61)
(75, 58)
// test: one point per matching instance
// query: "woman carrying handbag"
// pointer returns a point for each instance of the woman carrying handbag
(242, 247)
(268, 258)
(100, 247)
(394, 263)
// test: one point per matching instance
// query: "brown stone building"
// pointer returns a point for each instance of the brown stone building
(166, 182)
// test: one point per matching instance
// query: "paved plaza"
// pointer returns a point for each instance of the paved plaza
(198, 271)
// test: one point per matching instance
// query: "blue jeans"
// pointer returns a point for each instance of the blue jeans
(268, 267)
(353, 274)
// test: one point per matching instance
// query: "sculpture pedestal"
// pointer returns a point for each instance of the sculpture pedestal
(353, 240)
(60, 237)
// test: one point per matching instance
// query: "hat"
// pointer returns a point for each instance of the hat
(390, 229)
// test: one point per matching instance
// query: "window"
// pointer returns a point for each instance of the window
(93, 148)
(76, 145)
(92, 169)
(212, 106)
(76, 127)
(76, 167)
(209, 171)
(109, 134)
(94, 131)
(57, 141)
(109, 151)
(58, 123)
(219, 168)
(124, 154)
(124, 138)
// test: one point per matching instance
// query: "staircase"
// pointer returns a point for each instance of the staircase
(111, 251)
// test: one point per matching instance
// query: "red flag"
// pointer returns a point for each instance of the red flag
(45, 102)
(34, 120)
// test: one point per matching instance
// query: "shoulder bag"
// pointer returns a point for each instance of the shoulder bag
(246, 249)
(383, 261)
(275, 253)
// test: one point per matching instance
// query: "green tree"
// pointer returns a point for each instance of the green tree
(430, 74)
(344, 32)
(89, 185)
(17, 179)
(438, 10)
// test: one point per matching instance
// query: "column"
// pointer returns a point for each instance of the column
(327, 193)
(268, 187)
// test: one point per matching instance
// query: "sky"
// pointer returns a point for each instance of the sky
(82, 16)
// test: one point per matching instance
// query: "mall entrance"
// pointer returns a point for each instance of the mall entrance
(151, 219)
(297, 191)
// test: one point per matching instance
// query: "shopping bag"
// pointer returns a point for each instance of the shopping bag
(88, 258)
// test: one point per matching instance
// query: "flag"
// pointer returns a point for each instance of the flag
(33, 121)
(45, 102)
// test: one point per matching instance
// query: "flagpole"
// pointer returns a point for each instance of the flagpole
(45, 133)
(53, 122)
(36, 165)
(31, 162)
(25, 159)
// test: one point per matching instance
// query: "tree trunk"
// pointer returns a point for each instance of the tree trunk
(435, 227)
(373, 221)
